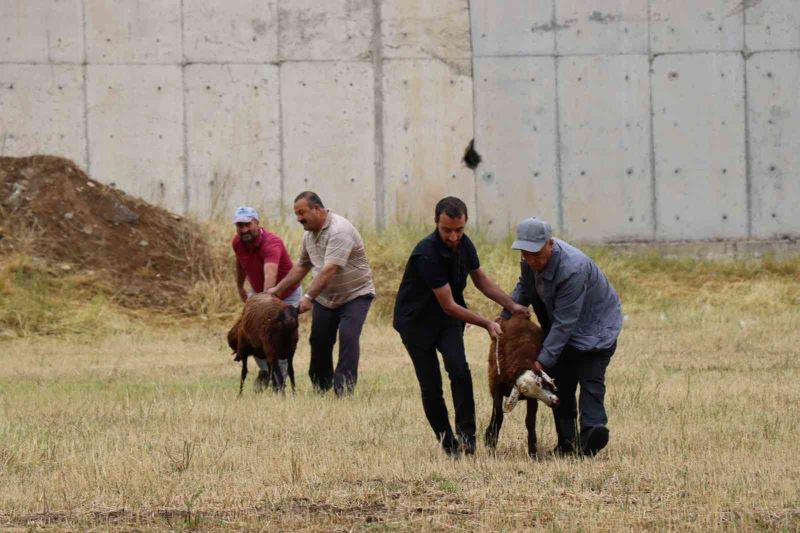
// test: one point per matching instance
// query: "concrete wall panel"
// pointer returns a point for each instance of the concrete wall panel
(238, 31)
(329, 129)
(334, 29)
(773, 25)
(515, 123)
(41, 31)
(421, 28)
(428, 123)
(121, 31)
(602, 26)
(513, 27)
(773, 85)
(136, 130)
(604, 111)
(233, 127)
(696, 25)
(699, 146)
(42, 111)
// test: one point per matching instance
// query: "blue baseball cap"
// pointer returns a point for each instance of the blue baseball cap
(244, 214)
(532, 235)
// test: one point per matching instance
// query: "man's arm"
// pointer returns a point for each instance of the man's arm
(270, 275)
(293, 277)
(240, 277)
(444, 295)
(489, 288)
(321, 279)
(522, 291)
(570, 295)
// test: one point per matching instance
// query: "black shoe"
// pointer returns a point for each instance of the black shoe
(594, 439)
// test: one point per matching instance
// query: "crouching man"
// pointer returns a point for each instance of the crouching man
(581, 317)
(430, 313)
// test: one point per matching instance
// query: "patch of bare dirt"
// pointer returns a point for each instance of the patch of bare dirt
(151, 257)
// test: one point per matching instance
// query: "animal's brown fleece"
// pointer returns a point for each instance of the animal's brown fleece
(520, 344)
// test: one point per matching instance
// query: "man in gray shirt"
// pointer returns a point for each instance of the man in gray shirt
(581, 317)
(340, 295)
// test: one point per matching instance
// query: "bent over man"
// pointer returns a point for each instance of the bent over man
(430, 313)
(261, 259)
(340, 294)
(581, 316)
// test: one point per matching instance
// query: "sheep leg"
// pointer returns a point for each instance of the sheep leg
(292, 347)
(243, 357)
(278, 383)
(530, 423)
(496, 422)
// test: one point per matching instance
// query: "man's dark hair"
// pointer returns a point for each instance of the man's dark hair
(311, 198)
(452, 207)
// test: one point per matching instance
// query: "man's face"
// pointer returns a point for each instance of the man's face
(309, 217)
(538, 260)
(247, 230)
(451, 229)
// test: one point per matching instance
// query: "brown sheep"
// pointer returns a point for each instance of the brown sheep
(267, 329)
(518, 349)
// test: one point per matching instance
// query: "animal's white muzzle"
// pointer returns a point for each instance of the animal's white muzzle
(541, 388)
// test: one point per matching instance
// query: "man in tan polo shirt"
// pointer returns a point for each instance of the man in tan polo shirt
(339, 296)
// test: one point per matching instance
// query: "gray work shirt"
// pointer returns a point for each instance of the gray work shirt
(580, 307)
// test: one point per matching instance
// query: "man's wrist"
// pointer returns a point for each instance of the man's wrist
(308, 297)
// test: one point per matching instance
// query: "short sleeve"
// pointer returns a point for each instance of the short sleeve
(304, 260)
(430, 271)
(472, 257)
(338, 249)
(271, 253)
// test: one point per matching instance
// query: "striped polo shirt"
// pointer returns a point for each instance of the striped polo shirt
(338, 242)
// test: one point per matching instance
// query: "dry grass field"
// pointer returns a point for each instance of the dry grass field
(119, 419)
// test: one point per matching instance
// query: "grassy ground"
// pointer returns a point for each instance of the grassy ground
(118, 419)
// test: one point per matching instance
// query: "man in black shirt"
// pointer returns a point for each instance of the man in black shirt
(430, 313)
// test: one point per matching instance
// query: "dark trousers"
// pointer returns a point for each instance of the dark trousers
(422, 348)
(347, 321)
(587, 369)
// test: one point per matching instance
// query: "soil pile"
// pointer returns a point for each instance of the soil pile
(150, 256)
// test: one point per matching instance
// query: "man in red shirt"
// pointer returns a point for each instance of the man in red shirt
(261, 257)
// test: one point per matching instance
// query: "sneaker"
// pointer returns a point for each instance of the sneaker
(594, 439)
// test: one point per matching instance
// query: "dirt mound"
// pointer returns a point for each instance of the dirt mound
(149, 256)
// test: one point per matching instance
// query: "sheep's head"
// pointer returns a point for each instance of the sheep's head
(541, 388)
(288, 317)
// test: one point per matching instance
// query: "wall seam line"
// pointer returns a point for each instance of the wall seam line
(748, 178)
(559, 176)
(281, 170)
(186, 181)
(378, 131)
(653, 181)
(475, 180)
(87, 148)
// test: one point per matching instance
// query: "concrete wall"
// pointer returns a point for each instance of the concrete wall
(615, 120)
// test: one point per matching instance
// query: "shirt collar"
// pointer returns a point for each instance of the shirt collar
(549, 271)
(328, 219)
(444, 250)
